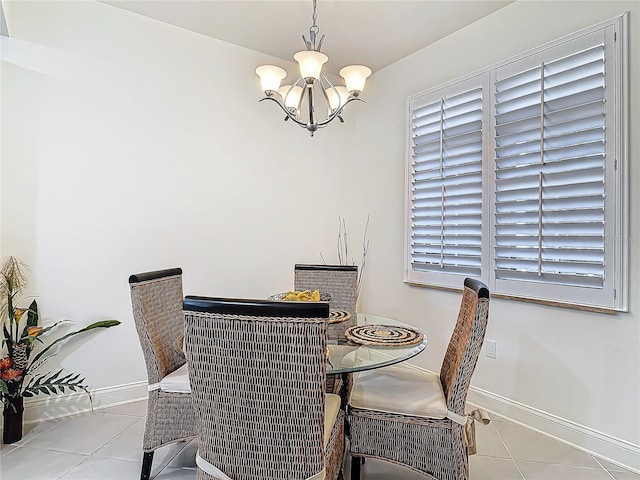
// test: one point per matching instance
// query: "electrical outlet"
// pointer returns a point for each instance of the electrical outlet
(490, 348)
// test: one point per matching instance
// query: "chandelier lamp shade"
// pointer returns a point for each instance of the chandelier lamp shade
(312, 83)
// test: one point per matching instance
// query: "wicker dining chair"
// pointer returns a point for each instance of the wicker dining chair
(416, 418)
(341, 282)
(156, 299)
(257, 373)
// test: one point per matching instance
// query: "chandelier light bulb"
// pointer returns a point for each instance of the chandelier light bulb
(270, 77)
(290, 96)
(337, 97)
(355, 76)
(311, 63)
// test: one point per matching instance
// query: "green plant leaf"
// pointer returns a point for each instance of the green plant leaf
(54, 376)
(51, 327)
(8, 340)
(3, 387)
(33, 315)
(53, 383)
(100, 324)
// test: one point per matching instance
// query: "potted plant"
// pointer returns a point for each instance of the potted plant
(24, 351)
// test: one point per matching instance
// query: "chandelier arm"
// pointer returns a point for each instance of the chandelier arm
(338, 112)
(285, 110)
(307, 45)
(325, 80)
(312, 120)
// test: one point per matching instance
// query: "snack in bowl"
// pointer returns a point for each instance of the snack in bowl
(305, 296)
(301, 296)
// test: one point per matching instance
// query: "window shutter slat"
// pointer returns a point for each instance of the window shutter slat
(549, 177)
(446, 185)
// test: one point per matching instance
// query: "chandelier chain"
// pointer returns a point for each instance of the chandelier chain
(314, 17)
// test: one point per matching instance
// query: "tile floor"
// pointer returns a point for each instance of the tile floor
(106, 445)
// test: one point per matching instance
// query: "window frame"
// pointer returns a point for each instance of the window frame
(614, 294)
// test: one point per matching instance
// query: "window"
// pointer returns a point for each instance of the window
(516, 176)
(446, 231)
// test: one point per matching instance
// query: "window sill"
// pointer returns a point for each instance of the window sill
(538, 301)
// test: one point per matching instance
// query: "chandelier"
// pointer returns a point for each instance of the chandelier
(312, 82)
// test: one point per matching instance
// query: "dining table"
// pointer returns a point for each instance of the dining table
(352, 354)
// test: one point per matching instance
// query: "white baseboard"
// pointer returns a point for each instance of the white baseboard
(42, 408)
(601, 445)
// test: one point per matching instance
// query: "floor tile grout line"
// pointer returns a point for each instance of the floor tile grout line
(616, 468)
(540, 462)
(495, 430)
(572, 447)
(109, 441)
(605, 469)
(495, 457)
(41, 449)
(509, 452)
(72, 468)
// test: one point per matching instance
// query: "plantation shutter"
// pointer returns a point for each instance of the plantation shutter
(545, 215)
(550, 166)
(446, 181)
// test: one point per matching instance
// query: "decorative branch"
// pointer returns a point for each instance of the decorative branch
(365, 249)
(343, 250)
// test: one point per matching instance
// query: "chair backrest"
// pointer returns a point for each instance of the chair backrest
(465, 344)
(341, 281)
(156, 299)
(257, 373)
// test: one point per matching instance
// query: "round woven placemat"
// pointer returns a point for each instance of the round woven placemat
(338, 316)
(385, 335)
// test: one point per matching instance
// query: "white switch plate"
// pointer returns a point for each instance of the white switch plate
(490, 348)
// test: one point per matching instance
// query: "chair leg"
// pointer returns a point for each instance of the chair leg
(355, 468)
(147, 460)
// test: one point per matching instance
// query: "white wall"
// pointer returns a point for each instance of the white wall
(578, 370)
(129, 145)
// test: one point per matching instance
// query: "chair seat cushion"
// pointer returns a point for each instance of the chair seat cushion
(177, 381)
(401, 389)
(331, 409)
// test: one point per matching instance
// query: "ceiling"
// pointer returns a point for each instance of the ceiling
(375, 33)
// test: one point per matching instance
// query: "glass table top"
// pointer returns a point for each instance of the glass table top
(345, 357)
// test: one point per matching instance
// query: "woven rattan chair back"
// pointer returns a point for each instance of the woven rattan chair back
(465, 343)
(156, 299)
(341, 281)
(257, 373)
